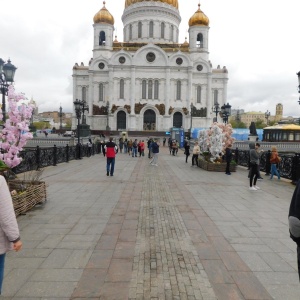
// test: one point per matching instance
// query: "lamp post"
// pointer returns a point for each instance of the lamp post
(60, 119)
(216, 109)
(7, 73)
(267, 115)
(107, 121)
(192, 108)
(298, 74)
(226, 112)
(78, 108)
(84, 108)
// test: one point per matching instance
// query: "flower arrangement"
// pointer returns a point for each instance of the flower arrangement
(15, 133)
(214, 141)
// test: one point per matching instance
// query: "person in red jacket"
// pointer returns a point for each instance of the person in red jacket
(111, 149)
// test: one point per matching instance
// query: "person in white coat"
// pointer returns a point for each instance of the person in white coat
(9, 230)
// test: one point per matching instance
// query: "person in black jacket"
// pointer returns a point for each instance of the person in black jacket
(228, 157)
(294, 221)
(186, 150)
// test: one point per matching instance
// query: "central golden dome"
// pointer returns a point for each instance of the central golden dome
(170, 2)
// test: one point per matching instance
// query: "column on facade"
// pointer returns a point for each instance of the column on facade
(189, 87)
(90, 92)
(132, 90)
(209, 103)
(167, 89)
(224, 91)
(111, 85)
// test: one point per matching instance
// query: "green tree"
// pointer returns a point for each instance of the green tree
(237, 124)
(40, 125)
(260, 124)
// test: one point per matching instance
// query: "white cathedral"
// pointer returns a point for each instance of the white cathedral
(150, 81)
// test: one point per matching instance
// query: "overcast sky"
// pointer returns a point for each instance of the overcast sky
(258, 41)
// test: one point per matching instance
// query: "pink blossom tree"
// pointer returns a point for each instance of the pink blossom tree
(15, 133)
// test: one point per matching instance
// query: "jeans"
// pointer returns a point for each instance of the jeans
(274, 171)
(134, 151)
(2, 260)
(253, 174)
(195, 159)
(110, 164)
(154, 159)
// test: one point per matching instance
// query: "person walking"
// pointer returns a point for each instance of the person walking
(164, 141)
(9, 230)
(121, 144)
(125, 146)
(155, 151)
(254, 161)
(274, 160)
(259, 151)
(111, 149)
(228, 158)
(149, 143)
(196, 152)
(187, 150)
(129, 146)
(134, 148)
(142, 147)
(294, 221)
(90, 146)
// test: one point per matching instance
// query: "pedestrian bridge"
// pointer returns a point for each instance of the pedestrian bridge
(166, 232)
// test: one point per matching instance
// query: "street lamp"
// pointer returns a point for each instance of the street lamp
(78, 108)
(7, 73)
(60, 119)
(298, 74)
(267, 115)
(192, 108)
(226, 112)
(216, 110)
(84, 108)
(107, 111)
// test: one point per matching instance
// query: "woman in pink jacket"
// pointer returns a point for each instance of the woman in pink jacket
(9, 231)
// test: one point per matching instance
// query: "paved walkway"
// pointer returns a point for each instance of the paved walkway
(166, 232)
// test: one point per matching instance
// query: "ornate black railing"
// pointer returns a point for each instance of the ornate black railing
(289, 166)
(34, 159)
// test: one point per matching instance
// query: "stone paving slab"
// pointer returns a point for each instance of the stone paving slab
(166, 232)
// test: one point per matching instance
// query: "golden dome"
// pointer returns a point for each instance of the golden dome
(171, 2)
(199, 18)
(104, 16)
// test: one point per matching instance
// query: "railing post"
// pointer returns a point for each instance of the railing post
(67, 153)
(54, 155)
(38, 157)
(236, 154)
(268, 163)
(296, 168)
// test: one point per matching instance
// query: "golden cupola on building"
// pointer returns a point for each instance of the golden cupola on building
(170, 2)
(199, 18)
(104, 16)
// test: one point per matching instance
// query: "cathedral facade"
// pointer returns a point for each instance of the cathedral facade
(150, 81)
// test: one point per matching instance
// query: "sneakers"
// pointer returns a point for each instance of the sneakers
(259, 178)
(252, 188)
(107, 173)
(258, 188)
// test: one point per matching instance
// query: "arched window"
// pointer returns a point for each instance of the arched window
(156, 91)
(144, 87)
(162, 30)
(215, 96)
(198, 94)
(130, 32)
(101, 92)
(178, 90)
(122, 89)
(150, 89)
(199, 43)
(151, 29)
(139, 29)
(171, 33)
(102, 38)
(83, 94)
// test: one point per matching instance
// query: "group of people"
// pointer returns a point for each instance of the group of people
(254, 164)
(133, 148)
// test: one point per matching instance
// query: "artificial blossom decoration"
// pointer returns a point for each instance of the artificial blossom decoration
(215, 140)
(15, 133)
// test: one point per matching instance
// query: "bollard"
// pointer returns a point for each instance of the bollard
(296, 168)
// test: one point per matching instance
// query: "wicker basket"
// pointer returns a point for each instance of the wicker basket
(35, 193)
(215, 167)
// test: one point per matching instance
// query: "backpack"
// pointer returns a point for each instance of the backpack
(134, 145)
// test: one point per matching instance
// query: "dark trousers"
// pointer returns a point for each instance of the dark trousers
(253, 174)
(298, 256)
(195, 158)
(2, 261)
(110, 165)
(227, 167)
